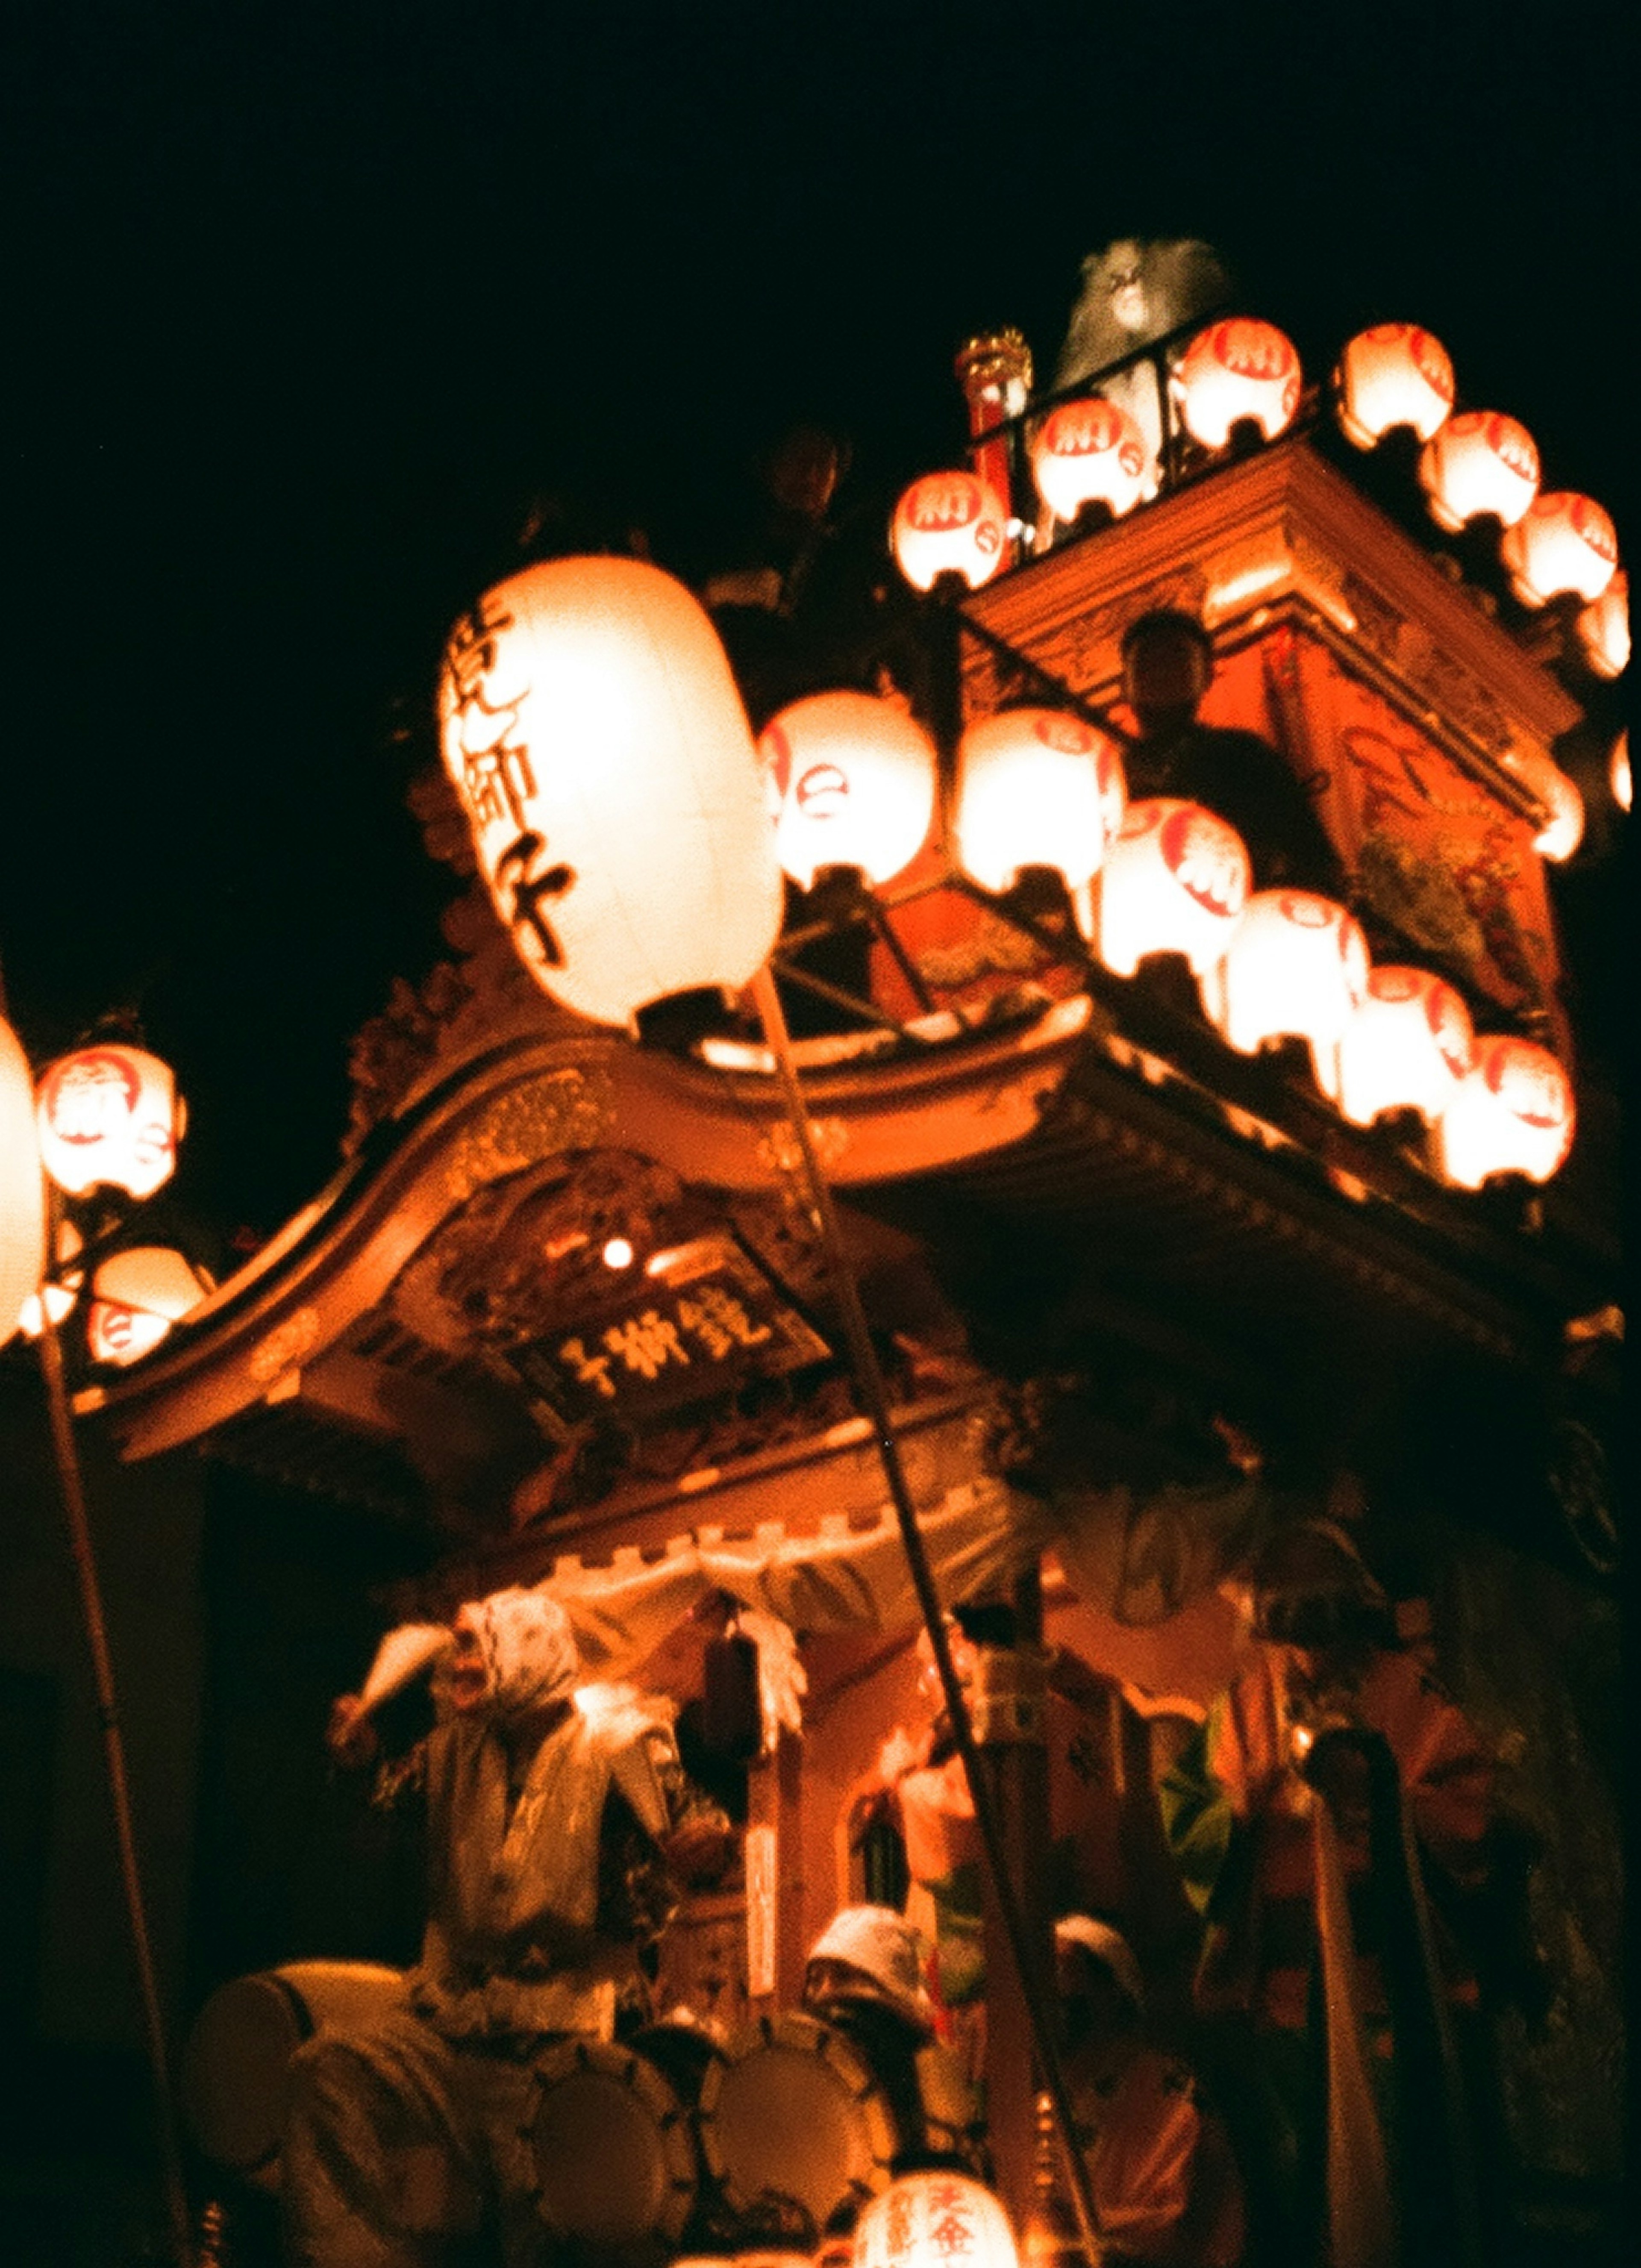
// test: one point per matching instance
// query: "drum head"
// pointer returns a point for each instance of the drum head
(611, 2144)
(794, 2116)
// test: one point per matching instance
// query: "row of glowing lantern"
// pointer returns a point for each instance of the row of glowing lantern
(105, 1117)
(1038, 787)
(1473, 464)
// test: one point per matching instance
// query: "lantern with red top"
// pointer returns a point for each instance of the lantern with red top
(855, 780)
(1236, 373)
(1392, 375)
(109, 1117)
(1038, 788)
(1562, 542)
(1406, 1048)
(1480, 463)
(1176, 880)
(1296, 968)
(949, 524)
(1088, 452)
(1512, 1113)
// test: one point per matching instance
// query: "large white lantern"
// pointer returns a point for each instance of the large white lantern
(1234, 370)
(1562, 542)
(110, 1116)
(1603, 629)
(1394, 374)
(22, 1192)
(1406, 1048)
(1513, 1113)
(137, 1295)
(1038, 787)
(949, 523)
(1480, 462)
(1176, 880)
(591, 728)
(1296, 968)
(856, 779)
(1089, 452)
(935, 2221)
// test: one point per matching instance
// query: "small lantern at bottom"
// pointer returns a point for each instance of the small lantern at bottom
(137, 1295)
(1513, 1113)
(929, 2221)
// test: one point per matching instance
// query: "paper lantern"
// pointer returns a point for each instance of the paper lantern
(1512, 1113)
(1088, 452)
(1394, 374)
(55, 1299)
(856, 781)
(110, 1116)
(1479, 462)
(1234, 370)
(1618, 772)
(1562, 542)
(934, 2220)
(949, 523)
(22, 1192)
(1406, 1048)
(1563, 830)
(137, 1295)
(1176, 880)
(1037, 787)
(1296, 968)
(593, 731)
(1603, 629)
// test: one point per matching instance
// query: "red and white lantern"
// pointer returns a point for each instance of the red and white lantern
(1296, 968)
(137, 1295)
(934, 2220)
(949, 523)
(591, 728)
(1512, 1113)
(1562, 542)
(854, 777)
(1176, 880)
(1480, 462)
(1234, 370)
(22, 1191)
(1089, 452)
(1038, 787)
(1406, 1048)
(1603, 629)
(1394, 374)
(109, 1117)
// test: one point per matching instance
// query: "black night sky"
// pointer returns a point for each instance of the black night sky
(304, 302)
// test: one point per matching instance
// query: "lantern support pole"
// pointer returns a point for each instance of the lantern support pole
(870, 1383)
(72, 1485)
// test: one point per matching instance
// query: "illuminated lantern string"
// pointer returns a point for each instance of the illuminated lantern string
(1603, 629)
(1406, 1048)
(110, 1116)
(1512, 1113)
(137, 1295)
(1234, 370)
(1394, 374)
(1562, 542)
(1479, 462)
(1038, 787)
(1088, 452)
(1176, 880)
(856, 779)
(591, 728)
(22, 1193)
(949, 523)
(1296, 968)
(929, 2221)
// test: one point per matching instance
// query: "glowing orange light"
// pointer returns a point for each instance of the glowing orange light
(137, 1295)
(1176, 880)
(1394, 374)
(1235, 370)
(110, 1116)
(926, 2220)
(1603, 629)
(1406, 1048)
(949, 523)
(854, 777)
(1479, 462)
(1296, 968)
(1038, 787)
(1088, 452)
(1562, 542)
(22, 1194)
(617, 1253)
(1512, 1113)
(1618, 772)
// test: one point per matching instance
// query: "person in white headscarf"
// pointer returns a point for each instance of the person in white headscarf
(553, 1817)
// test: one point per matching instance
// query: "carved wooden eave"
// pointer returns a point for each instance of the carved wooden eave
(1284, 532)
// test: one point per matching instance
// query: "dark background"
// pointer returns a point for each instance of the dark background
(306, 300)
